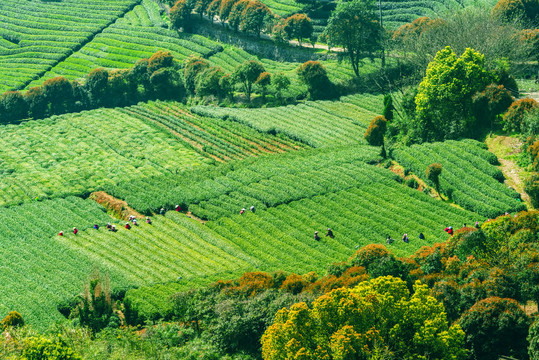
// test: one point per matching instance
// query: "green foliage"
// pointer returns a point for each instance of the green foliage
(263, 81)
(247, 74)
(254, 16)
(388, 107)
(160, 59)
(13, 106)
(379, 314)
(433, 173)
(13, 319)
(167, 84)
(354, 26)
(42, 348)
(532, 189)
(490, 103)
(444, 101)
(193, 66)
(376, 131)
(95, 309)
(314, 75)
(496, 327)
(180, 15)
(96, 85)
(235, 17)
(298, 26)
(58, 92)
(533, 339)
(517, 112)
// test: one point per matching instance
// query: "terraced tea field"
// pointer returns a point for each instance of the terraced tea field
(37, 35)
(138, 35)
(315, 123)
(467, 174)
(38, 272)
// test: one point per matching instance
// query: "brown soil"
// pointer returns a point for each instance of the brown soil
(115, 207)
(189, 214)
(531, 308)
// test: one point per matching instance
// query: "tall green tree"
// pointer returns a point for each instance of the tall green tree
(444, 106)
(315, 76)
(433, 173)
(354, 26)
(298, 26)
(247, 74)
(496, 327)
(180, 15)
(254, 17)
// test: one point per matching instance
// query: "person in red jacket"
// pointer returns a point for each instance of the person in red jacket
(61, 233)
(75, 231)
(178, 208)
(449, 230)
(127, 226)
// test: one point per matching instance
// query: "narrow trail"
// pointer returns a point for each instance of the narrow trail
(503, 147)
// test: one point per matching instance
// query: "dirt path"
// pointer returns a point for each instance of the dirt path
(503, 147)
(116, 207)
(533, 95)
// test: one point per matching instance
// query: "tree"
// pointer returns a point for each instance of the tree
(523, 10)
(167, 84)
(298, 26)
(201, 7)
(490, 103)
(314, 75)
(161, 59)
(376, 131)
(96, 86)
(138, 79)
(280, 82)
(213, 9)
(433, 173)
(246, 74)
(254, 16)
(444, 108)
(264, 80)
(180, 15)
(95, 307)
(207, 82)
(58, 92)
(514, 117)
(354, 26)
(37, 104)
(496, 327)
(194, 65)
(378, 315)
(40, 348)
(388, 107)
(224, 10)
(235, 16)
(529, 38)
(13, 106)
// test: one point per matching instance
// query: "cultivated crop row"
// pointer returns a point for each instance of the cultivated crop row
(37, 270)
(36, 35)
(223, 181)
(469, 177)
(79, 153)
(136, 36)
(219, 140)
(317, 124)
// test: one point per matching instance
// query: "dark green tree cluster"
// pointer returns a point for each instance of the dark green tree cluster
(153, 78)
(250, 16)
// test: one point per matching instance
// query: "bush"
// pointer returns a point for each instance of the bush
(533, 339)
(42, 348)
(411, 183)
(315, 76)
(514, 117)
(532, 189)
(13, 319)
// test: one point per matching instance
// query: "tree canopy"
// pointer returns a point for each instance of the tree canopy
(444, 106)
(354, 26)
(378, 316)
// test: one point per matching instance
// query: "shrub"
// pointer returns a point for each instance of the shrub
(42, 348)
(13, 319)
(294, 284)
(514, 117)
(533, 339)
(368, 254)
(376, 131)
(315, 76)
(532, 189)
(411, 183)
